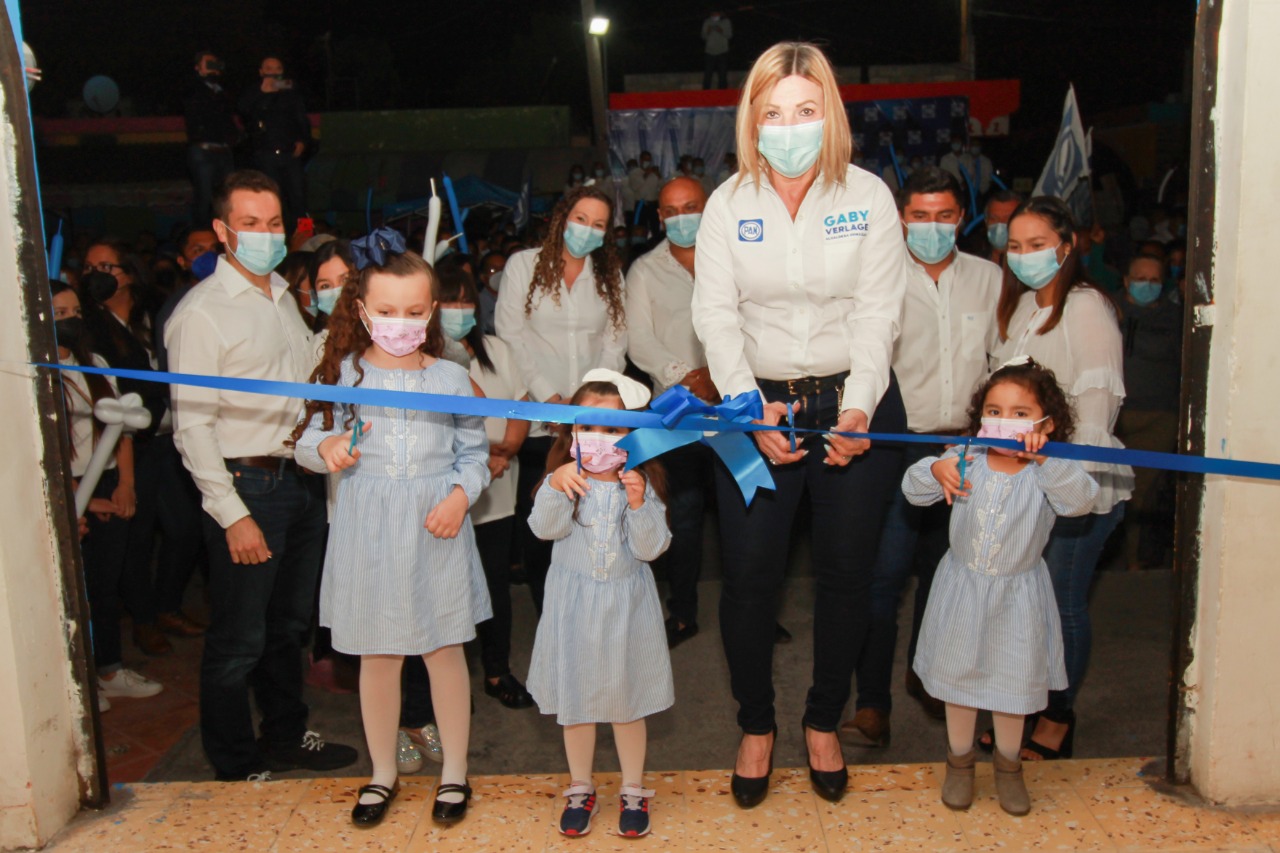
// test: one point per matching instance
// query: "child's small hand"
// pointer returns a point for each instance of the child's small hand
(947, 473)
(1033, 441)
(634, 482)
(445, 520)
(336, 453)
(566, 479)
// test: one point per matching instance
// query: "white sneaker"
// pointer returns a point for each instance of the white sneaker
(103, 705)
(128, 684)
(408, 757)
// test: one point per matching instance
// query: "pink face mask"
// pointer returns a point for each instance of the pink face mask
(397, 336)
(1009, 428)
(597, 451)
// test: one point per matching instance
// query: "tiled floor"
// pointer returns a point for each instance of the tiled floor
(1076, 805)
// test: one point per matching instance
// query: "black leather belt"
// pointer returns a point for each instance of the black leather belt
(275, 464)
(802, 387)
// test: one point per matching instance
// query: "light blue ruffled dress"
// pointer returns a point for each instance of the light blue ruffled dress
(600, 655)
(991, 636)
(389, 586)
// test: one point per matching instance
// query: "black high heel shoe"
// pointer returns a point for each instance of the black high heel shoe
(750, 791)
(369, 815)
(446, 812)
(828, 784)
(1064, 750)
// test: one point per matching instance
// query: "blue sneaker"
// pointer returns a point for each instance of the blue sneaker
(633, 822)
(578, 811)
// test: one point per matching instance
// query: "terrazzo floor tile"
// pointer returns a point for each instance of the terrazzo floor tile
(181, 827)
(1059, 820)
(1094, 774)
(114, 829)
(1140, 819)
(894, 820)
(868, 778)
(345, 791)
(783, 822)
(325, 829)
(1266, 828)
(252, 795)
(510, 824)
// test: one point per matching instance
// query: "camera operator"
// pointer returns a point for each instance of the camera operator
(280, 132)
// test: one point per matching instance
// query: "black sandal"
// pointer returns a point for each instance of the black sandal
(447, 812)
(509, 691)
(1065, 749)
(369, 815)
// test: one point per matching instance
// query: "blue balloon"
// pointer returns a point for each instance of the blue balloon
(101, 94)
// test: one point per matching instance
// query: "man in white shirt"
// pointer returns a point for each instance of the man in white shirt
(264, 522)
(716, 32)
(940, 358)
(662, 343)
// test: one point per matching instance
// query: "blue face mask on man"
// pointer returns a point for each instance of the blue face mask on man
(1145, 292)
(682, 230)
(259, 251)
(931, 242)
(998, 235)
(791, 149)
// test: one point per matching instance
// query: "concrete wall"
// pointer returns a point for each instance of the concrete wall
(1235, 676)
(44, 751)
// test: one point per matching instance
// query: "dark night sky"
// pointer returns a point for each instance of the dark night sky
(414, 53)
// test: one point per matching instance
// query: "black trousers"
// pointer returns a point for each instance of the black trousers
(848, 506)
(688, 478)
(535, 552)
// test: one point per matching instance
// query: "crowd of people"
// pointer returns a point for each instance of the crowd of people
(394, 535)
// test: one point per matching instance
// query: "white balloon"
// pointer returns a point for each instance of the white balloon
(115, 413)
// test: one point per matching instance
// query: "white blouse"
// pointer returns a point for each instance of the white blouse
(560, 339)
(504, 383)
(777, 298)
(1085, 352)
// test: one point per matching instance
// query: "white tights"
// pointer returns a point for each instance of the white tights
(580, 747)
(961, 722)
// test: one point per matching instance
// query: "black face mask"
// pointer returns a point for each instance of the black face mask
(69, 331)
(100, 286)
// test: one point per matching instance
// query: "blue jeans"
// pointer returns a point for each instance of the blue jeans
(208, 170)
(259, 616)
(1072, 556)
(912, 537)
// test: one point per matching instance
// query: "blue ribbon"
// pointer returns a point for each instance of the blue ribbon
(732, 418)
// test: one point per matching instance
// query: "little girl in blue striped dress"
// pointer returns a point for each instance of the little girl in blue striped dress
(600, 655)
(991, 638)
(402, 575)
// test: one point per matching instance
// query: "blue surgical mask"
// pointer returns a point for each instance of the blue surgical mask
(581, 240)
(931, 242)
(457, 323)
(682, 230)
(311, 310)
(791, 149)
(998, 235)
(1145, 292)
(1175, 272)
(1035, 269)
(326, 300)
(259, 251)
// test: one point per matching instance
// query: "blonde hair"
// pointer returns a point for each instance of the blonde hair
(786, 59)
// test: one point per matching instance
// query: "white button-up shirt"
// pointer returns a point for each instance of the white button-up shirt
(558, 341)
(227, 327)
(660, 336)
(778, 299)
(948, 330)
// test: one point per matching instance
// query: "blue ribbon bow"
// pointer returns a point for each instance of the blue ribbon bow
(735, 449)
(375, 248)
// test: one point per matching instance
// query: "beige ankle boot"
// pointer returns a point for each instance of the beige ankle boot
(957, 788)
(1010, 787)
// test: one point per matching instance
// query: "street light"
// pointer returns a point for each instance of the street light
(599, 26)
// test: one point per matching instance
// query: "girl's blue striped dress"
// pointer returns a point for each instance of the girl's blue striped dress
(389, 586)
(600, 655)
(991, 637)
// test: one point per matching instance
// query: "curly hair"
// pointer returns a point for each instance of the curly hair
(349, 337)
(1043, 385)
(549, 271)
(562, 450)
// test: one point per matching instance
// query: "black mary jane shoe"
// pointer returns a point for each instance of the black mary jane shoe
(750, 791)
(829, 784)
(447, 812)
(369, 815)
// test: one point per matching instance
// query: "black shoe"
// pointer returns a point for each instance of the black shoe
(677, 635)
(781, 636)
(750, 791)
(1066, 748)
(446, 812)
(829, 784)
(311, 753)
(367, 816)
(509, 691)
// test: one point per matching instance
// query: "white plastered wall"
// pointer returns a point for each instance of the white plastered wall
(42, 751)
(1235, 676)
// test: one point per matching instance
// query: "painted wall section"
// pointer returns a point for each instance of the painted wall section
(1235, 750)
(41, 749)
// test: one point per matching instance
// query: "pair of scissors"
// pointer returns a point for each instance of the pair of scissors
(358, 430)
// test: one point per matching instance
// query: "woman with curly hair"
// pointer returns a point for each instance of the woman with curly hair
(560, 310)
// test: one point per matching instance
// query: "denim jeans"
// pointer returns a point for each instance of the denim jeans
(913, 537)
(848, 505)
(1072, 556)
(688, 476)
(493, 541)
(208, 170)
(286, 171)
(259, 615)
(103, 552)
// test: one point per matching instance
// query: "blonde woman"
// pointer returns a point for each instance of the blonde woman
(801, 275)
